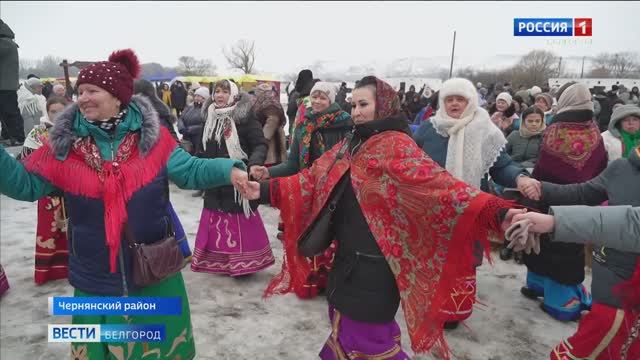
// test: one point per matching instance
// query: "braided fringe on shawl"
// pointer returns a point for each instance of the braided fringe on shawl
(76, 177)
(295, 268)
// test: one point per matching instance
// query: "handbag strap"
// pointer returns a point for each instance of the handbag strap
(131, 238)
(342, 186)
(128, 234)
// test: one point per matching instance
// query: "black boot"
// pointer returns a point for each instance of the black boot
(529, 293)
(451, 325)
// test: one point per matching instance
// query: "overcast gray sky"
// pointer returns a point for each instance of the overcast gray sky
(291, 35)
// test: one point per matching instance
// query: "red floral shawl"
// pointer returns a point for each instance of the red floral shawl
(424, 220)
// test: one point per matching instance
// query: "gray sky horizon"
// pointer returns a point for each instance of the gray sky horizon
(293, 35)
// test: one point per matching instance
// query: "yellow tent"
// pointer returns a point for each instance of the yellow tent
(246, 81)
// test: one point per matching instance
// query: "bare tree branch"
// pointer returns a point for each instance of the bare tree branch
(241, 56)
(189, 66)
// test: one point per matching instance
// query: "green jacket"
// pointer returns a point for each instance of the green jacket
(184, 170)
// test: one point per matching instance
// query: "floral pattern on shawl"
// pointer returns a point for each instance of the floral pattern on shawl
(421, 217)
(573, 143)
(333, 115)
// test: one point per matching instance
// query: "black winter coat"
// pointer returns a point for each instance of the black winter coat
(253, 144)
(178, 96)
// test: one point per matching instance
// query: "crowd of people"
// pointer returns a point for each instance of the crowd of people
(387, 198)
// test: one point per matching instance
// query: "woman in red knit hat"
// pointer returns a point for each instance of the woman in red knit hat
(112, 161)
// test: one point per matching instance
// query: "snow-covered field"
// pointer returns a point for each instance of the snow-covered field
(231, 321)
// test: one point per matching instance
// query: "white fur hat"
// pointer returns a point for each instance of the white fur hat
(328, 88)
(458, 86)
(202, 91)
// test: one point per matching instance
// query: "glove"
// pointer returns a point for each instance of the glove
(521, 239)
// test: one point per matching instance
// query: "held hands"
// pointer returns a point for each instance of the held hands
(526, 227)
(239, 178)
(259, 172)
(250, 190)
(531, 188)
(540, 223)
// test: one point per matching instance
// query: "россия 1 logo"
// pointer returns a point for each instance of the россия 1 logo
(552, 27)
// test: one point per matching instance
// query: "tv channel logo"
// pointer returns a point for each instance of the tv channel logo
(552, 27)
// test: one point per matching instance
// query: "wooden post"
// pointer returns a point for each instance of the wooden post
(67, 81)
(453, 50)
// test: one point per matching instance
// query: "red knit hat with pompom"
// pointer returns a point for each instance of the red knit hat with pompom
(115, 75)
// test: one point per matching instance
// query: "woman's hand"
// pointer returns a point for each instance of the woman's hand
(531, 188)
(541, 223)
(251, 190)
(259, 172)
(239, 178)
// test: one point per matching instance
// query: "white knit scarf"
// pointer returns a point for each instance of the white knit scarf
(220, 124)
(474, 145)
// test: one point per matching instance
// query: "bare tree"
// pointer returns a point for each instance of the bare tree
(189, 65)
(241, 56)
(620, 64)
(535, 68)
(624, 64)
(49, 66)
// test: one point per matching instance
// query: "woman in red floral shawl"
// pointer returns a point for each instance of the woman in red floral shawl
(403, 227)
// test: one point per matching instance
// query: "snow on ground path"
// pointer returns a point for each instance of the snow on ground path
(231, 321)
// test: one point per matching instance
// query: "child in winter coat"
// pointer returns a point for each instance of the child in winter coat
(523, 145)
(603, 332)
(624, 132)
(545, 102)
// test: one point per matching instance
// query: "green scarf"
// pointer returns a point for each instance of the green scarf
(630, 142)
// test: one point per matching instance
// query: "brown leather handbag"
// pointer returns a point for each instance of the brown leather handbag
(154, 262)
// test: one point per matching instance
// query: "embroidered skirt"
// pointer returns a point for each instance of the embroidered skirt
(459, 305)
(178, 343)
(52, 254)
(602, 334)
(231, 244)
(352, 339)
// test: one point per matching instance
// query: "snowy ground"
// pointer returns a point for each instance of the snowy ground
(231, 321)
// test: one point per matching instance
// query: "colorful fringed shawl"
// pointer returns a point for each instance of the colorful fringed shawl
(423, 219)
(84, 172)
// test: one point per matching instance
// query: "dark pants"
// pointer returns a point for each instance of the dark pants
(10, 115)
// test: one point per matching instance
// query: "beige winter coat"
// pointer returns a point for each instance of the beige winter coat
(274, 133)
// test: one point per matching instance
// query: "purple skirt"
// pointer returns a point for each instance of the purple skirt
(4, 283)
(352, 339)
(231, 244)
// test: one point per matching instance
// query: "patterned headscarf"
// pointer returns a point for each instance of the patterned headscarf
(265, 97)
(387, 101)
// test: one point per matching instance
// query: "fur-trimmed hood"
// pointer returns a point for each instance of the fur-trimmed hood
(620, 113)
(241, 113)
(62, 135)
